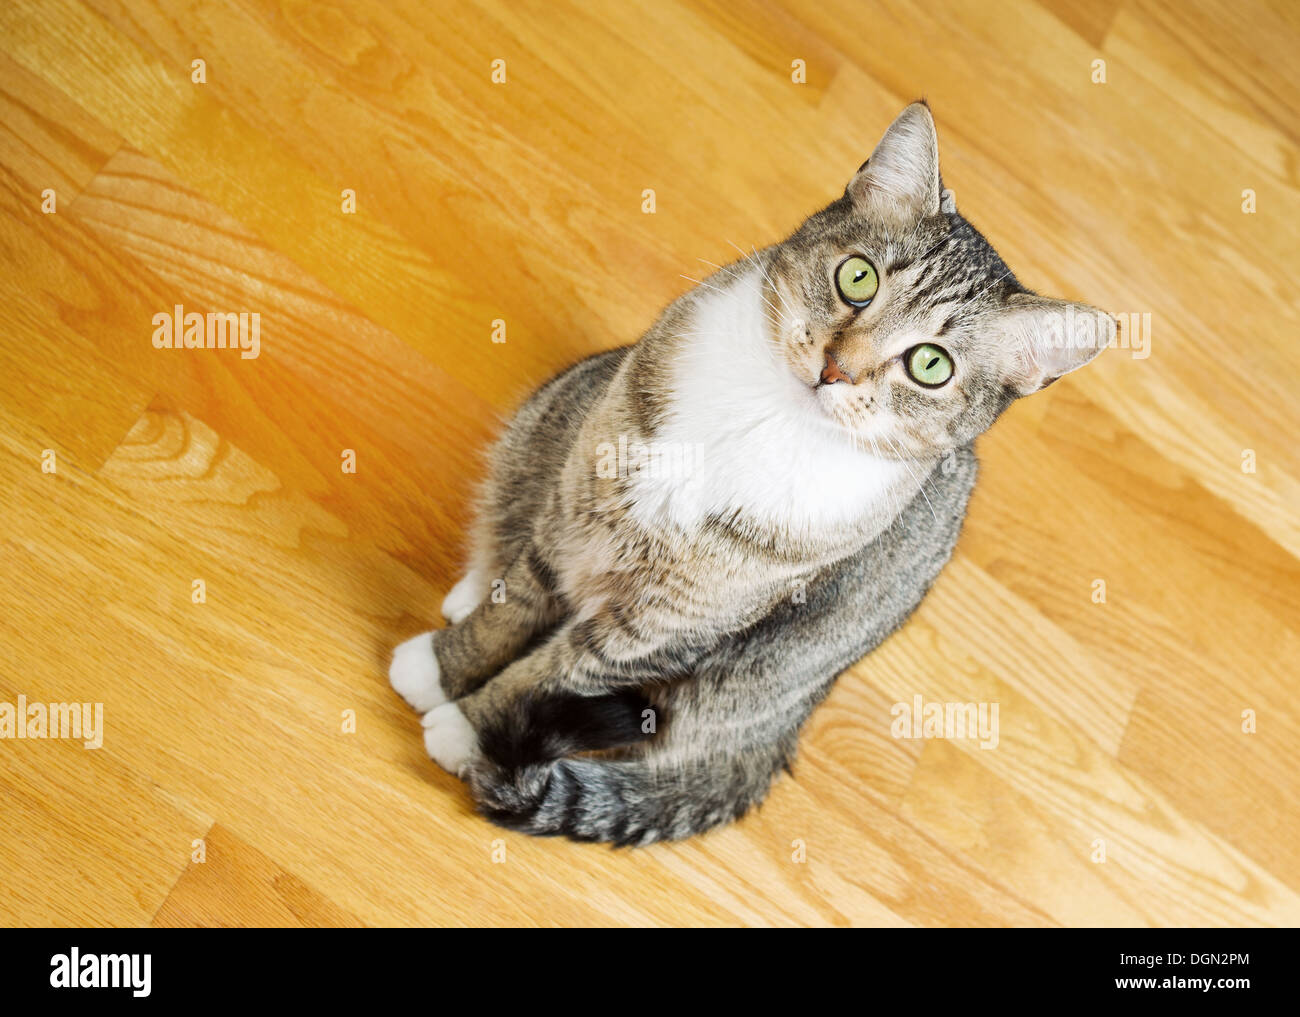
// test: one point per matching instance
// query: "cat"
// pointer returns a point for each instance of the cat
(636, 645)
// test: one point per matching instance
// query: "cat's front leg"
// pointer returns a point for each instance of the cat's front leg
(434, 667)
(451, 730)
(572, 693)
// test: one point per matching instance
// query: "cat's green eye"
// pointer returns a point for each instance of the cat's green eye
(928, 364)
(857, 281)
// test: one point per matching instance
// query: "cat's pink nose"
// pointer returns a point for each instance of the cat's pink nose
(832, 373)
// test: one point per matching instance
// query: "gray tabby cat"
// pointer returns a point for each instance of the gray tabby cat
(697, 533)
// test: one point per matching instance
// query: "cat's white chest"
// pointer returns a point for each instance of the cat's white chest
(745, 437)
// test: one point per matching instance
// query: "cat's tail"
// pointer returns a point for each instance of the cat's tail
(621, 801)
(518, 783)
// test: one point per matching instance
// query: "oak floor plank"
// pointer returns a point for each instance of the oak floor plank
(231, 884)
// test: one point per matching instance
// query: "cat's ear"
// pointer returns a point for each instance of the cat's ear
(1048, 338)
(901, 179)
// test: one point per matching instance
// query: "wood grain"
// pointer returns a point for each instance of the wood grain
(258, 719)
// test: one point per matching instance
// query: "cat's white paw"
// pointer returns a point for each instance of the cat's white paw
(465, 596)
(449, 738)
(414, 674)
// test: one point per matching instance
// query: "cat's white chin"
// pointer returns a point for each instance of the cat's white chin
(414, 674)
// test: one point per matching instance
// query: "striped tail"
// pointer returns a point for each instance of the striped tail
(621, 801)
(529, 779)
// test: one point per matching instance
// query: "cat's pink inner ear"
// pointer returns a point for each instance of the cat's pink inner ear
(901, 179)
(1051, 338)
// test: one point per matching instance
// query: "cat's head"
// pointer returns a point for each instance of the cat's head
(905, 325)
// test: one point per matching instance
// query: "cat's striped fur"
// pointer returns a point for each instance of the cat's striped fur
(662, 635)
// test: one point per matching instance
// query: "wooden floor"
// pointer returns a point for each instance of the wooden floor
(1123, 790)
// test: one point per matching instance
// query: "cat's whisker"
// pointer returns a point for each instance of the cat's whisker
(889, 495)
(767, 278)
(740, 250)
(770, 282)
(716, 289)
(911, 473)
